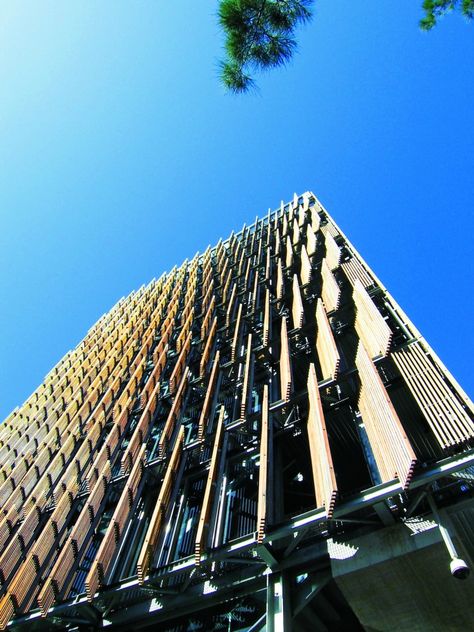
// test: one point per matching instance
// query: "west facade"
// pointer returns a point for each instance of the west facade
(258, 440)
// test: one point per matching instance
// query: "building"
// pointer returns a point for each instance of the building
(260, 439)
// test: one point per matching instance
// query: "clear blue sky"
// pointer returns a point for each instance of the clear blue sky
(121, 155)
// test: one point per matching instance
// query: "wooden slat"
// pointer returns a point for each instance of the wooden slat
(328, 354)
(333, 252)
(11, 557)
(297, 309)
(207, 349)
(208, 300)
(291, 213)
(306, 269)
(20, 542)
(105, 555)
(263, 470)
(180, 364)
(203, 524)
(284, 229)
(64, 505)
(226, 285)
(296, 234)
(22, 583)
(255, 295)
(324, 478)
(302, 215)
(245, 384)
(7, 609)
(236, 336)
(279, 283)
(310, 240)
(150, 387)
(149, 544)
(268, 265)
(174, 414)
(256, 231)
(278, 242)
(266, 319)
(315, 219)
(289, 253)
(260, 245)
(445, 414)
(330, 229)
(370, 324)
(269, 229)
(392, 450)
(141, 432)
(160, 355)
(305, 201)
(247, 273)
(105, 454)
(331, 292)
(13, 510)
(278, 215)
(180, 341)
(230, 304)
(55, 436)
(353, 269)
(206, 407)
(52, 588)
(286, 381)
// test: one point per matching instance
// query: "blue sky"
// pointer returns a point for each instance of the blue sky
(121, 155)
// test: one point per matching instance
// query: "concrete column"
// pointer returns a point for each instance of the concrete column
(278, 603)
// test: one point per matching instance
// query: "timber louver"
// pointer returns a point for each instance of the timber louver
(157, 438)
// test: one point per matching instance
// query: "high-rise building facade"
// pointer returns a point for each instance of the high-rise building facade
(260, 439)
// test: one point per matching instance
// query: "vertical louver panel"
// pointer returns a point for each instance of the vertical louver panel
(331, 292)
(208, 348)
(354, 271)
(321, 459)
(310, 240)
(244, 401)
(173, 415)
(333, 252)
(326, 347)
(206, 407)
(203, 523)
(296, 233)
(236, 337)
(315, 219)
(266, 319)
(289, 253)
(151, 539)
(306, 269)
(445, 414)
(113, 464)
(280, 287)
(297, 309)
(370, 324)
(286, 381)
(109, 544)
(392, 450)
(263, 471)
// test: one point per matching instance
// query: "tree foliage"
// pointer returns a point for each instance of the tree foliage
(436, 8)
(260, 34)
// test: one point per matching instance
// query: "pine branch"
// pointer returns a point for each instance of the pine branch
(259, 36)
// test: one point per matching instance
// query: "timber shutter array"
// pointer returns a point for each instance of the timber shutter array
(229, 396)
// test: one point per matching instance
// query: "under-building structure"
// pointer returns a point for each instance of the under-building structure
(258, 440)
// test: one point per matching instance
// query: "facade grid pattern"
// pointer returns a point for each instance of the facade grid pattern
(215, 429)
